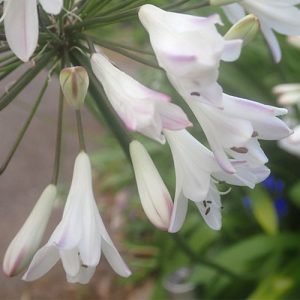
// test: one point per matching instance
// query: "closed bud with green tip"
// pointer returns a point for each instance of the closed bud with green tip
(74, 83)
(245, 29)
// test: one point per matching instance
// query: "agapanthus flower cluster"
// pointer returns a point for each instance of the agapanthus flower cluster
(189, 49)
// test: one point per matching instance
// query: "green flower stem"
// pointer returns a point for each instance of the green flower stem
(102, 103)
(104, 20)
(25, 79)
(96, 6)
(4, 49)
(9, 67)
(57, 156)
(24, 129)
(175, 5)
(201, 260)
(123, 4)
(6, 57)
(118, 45)
(125, 53)
(80, 130)
(196, 6)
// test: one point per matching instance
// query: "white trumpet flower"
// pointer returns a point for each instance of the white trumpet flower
(281, 16)
(194, 68)
(80, 236)
(196, 174)
(25, 244)
(140, 108)
(154, 195)
(22, 25)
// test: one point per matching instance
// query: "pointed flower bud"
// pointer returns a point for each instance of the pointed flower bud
(221, 2)
(22, 248)
(74, 83)
(245, 29)
(154, 195)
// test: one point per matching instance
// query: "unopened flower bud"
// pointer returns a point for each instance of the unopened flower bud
(154, 195)
(245, 29)
(221, 2)
(74, 83)
(22, 248)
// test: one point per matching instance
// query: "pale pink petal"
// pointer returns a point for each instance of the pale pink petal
(172, 116)
(21, 27)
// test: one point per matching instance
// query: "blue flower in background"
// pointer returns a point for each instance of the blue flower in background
(275, 187)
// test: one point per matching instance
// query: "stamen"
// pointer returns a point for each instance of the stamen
(225, 192)
(207, 211)
(254, 134)
(241, 150)
(195, 94)
(204, 203)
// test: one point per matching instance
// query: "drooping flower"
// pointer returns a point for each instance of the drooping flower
(236, 129)
(80, 236)
(140, 108)
(22, 25)
(281, 16)
(194, 68)
(27, 241)
(196, 174)
(154, 195)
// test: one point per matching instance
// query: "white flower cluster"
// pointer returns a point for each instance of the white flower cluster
(189, 49)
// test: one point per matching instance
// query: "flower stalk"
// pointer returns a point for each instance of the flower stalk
(57, 156)
(24, 129)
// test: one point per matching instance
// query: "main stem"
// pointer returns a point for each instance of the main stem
(80, 131)
(197, 259)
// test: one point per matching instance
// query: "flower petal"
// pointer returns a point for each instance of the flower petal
(234, 12)
(70, 260)
(84, 275)
(21, 27)
(42, 262)
(179, 212)
(52, 6)
(154, 195)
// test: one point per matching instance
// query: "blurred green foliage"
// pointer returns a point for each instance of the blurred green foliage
(257, 244)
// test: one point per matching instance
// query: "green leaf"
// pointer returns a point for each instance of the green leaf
(294, 193)
(272, 288)
(264, 210)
